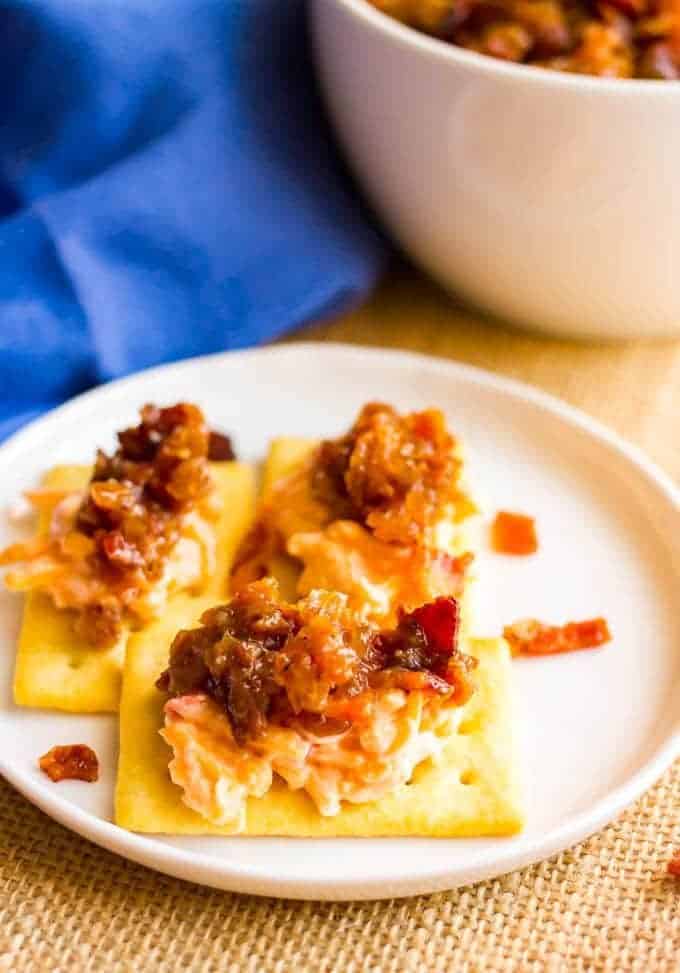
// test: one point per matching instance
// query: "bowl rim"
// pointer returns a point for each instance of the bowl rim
(402, 34)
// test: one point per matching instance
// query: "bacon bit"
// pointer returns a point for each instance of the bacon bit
(220, 449)
(673, 867)
(531, 637)
(76, 761)
(422, 652)
(514, 534)
(440, 621)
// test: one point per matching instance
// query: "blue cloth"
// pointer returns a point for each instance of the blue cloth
(168, 187)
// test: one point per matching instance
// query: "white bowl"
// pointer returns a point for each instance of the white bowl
(552, 200)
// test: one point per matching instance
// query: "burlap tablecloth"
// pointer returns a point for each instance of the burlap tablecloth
(604, 905)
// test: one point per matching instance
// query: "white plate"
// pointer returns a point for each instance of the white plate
(597, 728)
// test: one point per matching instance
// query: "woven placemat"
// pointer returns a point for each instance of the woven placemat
(604, 905)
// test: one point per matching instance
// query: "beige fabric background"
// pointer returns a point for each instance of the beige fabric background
(604, 905)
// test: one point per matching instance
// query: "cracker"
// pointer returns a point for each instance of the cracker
(54, 668)
(472, 790)
(57, 670)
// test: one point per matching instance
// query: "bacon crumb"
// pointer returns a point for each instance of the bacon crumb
(673, 867)
(514, 534)
(220, 449)
(531, 637)
(76, 761)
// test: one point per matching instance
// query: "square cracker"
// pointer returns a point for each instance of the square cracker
(54, 668)
(57, 670)
(472, 790)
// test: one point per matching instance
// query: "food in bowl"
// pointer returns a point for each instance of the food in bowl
(617, 39)
(508, 185)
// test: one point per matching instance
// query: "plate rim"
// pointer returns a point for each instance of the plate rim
(258, 879)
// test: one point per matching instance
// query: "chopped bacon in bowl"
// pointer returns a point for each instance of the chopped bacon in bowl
(344, 709)
(75, 761)
(514, 534)
(531, 637)
(617, 39)
(108, 553)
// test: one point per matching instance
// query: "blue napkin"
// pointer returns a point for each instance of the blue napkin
(168, 187)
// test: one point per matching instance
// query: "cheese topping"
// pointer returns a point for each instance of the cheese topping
(363, 764)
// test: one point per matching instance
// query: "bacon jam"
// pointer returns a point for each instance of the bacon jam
(391, 473)
(531, 637)
(107, 551)
(514, 534)
(372, 514)
(264, 660)
(341, 709)
(75, 761)
(612, 39)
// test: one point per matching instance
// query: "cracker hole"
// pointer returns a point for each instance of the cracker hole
(468, 777)
(75, 663)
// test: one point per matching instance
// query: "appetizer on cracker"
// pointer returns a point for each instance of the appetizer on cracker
(116, 541)
(273, 718)
(338, 708)
(379, 513)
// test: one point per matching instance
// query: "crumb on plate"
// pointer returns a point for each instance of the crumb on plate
(513, 533)
(531, 637)
(74, 761)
